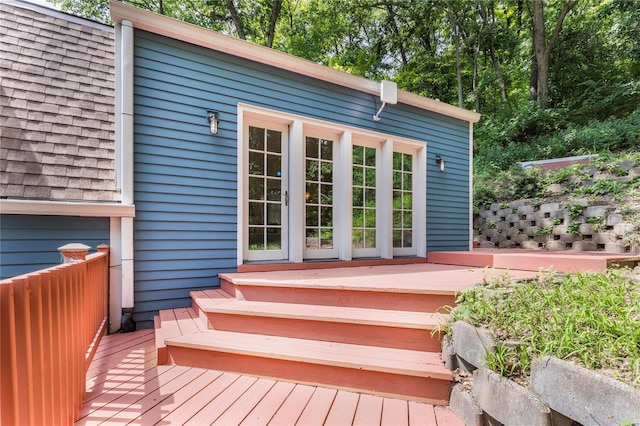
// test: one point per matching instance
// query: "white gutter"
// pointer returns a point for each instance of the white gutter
(162, 25)
(64, 208)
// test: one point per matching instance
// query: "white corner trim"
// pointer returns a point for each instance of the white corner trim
(199, 36)
(57, 208)
(470, 186)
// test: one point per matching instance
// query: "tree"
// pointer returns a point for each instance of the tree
(543, 46)
(253, 20)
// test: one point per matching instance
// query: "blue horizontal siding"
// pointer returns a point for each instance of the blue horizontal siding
(30, 243)
(185, 178)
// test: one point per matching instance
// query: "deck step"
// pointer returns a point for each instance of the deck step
(373, 327)
(373, 294)
(404, 373)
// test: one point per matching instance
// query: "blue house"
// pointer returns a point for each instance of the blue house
(236, 156)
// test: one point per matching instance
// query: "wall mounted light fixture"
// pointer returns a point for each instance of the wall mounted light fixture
(212, 118)
(440, 162)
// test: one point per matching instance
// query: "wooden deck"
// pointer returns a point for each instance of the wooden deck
(126, 386)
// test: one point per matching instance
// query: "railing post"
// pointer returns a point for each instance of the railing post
(74, 252)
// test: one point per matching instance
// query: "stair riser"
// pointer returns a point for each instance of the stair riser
(342, 297)
(430, 390)
(370, 335)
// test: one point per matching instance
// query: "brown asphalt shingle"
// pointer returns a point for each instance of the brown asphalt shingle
(57, 106)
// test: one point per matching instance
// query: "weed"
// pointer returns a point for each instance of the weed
(602, 187)
(631, 239)
(574, 228)
(545, 231)
(596, 222)
(575, 210)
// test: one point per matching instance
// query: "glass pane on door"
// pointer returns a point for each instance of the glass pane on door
(364, 198)
(319, 214)
(266, 186)
(402, 200)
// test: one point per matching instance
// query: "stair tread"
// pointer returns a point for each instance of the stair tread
(441, 280)
(338, 314)
(399, 361)
(213, 296)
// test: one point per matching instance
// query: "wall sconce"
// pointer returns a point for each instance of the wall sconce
(440, 162)
(212, 118)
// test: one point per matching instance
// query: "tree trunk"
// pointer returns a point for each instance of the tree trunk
(456, 36)
(476, 92)
(533, 80)
(275, 12)
(492, 52)
(543, 48)
(236, 20)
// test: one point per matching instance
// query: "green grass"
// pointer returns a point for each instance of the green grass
(592, 319)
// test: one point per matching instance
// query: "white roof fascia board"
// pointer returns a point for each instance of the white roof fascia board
(173, 28)
(61, 208)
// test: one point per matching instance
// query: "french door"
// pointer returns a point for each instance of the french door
(365, 238)
(268, 196)
(313, 192)
(320, 230)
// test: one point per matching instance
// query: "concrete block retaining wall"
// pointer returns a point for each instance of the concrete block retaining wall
(560, 392)
(574, 225)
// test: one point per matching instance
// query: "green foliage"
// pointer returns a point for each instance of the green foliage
(574, 228)
(591, 318)
(602, 187)
(517, 183)
(494, 152)
(575, 210)
(596, 222)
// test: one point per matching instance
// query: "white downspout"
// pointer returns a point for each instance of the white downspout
(470, 186)
(124, 143)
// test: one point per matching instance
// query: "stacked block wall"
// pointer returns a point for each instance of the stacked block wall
(575, 225)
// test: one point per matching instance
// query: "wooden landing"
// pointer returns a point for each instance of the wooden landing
(534, 260)
(125, 385)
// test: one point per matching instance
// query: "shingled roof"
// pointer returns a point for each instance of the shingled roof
(57, 109)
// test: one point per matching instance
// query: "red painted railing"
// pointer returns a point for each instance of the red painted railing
(51, 322)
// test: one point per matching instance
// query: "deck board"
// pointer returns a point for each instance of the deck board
(217, 406)
(267, 407)
(343, 409)
(127, 386)
(236, 413)
(291, 409)
(318, 407)
(395, 412)
(369, 411)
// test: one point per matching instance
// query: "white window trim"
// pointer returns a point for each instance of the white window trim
(299, 127)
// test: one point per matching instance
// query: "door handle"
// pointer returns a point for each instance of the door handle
(286, 198)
